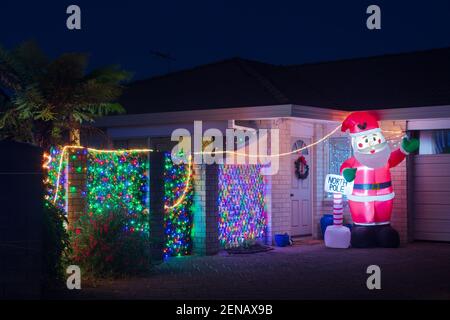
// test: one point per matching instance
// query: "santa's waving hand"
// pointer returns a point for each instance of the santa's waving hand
(372, 197)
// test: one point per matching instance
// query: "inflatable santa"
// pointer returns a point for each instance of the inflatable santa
(372, 197)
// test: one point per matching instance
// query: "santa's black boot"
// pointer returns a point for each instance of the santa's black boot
(363, 236)
(387, 237)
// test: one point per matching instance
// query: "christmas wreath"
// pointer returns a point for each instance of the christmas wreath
(301, 168)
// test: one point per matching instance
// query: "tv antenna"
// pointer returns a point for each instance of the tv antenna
(163, 57)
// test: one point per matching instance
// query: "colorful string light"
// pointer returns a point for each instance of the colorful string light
(116, 180)
(178, 191)
(54, 164)
(57, 186)
(119, 181)
(187, 187)
(241, 201)
(177, 202)
(64, 150)
(236, 153)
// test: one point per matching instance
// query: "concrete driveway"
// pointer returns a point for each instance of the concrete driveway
(416, 271)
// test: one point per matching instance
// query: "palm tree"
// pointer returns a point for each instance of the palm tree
(52, 100)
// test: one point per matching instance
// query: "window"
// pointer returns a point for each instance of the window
(298, 145)
(339, 150)
(434, 141)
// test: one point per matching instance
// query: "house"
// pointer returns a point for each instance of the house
(410, 93)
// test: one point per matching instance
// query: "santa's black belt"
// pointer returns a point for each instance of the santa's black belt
(372, 186)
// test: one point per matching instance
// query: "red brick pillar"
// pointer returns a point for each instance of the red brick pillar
(157, 211)
(76, 184)
(205, 235)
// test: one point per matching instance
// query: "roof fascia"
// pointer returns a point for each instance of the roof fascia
(243, 113)
(412, 113)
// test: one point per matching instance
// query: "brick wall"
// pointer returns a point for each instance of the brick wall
(320, 170)
(76, 199)
(281, 182)
(205, 238)
(199, 210)
(157, 211)
(279, 185)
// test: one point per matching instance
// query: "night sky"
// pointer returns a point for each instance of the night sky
(198, 32)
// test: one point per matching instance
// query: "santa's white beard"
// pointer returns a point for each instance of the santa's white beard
(374, 160)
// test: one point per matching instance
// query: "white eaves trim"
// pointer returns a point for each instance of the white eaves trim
(429, 124)
(431, 112)
(266, 112)
(244, 113)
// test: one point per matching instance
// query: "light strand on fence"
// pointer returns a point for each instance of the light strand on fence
(180, 200)
(202, 152)
(186, 187)
(89, 149)
(275, 155)
(48, 158)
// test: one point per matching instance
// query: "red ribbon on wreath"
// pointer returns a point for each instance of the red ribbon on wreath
(301, 168)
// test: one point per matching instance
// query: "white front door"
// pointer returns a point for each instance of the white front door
(301, 215)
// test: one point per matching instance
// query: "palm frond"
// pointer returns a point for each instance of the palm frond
(92, 92)
(32, 60)
(67, 69)
(28, 102)
(103, 109)
(51, 98)
(11, 70)
(7, 118)
(109, 74)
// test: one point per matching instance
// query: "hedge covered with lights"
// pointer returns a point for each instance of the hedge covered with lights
(178, 198)
(119, 181)
(116, 194)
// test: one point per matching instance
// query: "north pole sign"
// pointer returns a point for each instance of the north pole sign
(337, 184)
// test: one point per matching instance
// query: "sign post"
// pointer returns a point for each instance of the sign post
(337, 235)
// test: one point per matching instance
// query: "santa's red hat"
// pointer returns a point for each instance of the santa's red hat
(360, 122)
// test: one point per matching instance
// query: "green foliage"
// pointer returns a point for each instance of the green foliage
(102, 245)
(52, 98)
(55, 243)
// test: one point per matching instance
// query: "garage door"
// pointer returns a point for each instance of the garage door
(432, 197)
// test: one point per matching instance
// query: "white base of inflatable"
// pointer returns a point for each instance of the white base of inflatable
(337, 237)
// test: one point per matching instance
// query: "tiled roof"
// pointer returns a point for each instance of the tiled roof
(389, 81)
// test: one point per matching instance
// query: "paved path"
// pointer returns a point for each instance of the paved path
(417, 271)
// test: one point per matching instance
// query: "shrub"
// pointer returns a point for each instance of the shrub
(55, 243)
(105, 245)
